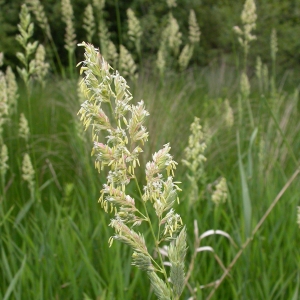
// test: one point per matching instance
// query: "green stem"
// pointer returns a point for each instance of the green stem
(118, 21)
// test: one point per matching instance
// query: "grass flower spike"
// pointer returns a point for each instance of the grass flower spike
(171, 3)
(134, 30)
(3, 160)
(106, 94)
(127, 64)
(26, 31)
(220, 193)
(185, 56)
(28, 173)
(37, 9)
(24, 131)
(195, 159)
(3, 103)
(194, 30)
(248, 18)
(12, 90)
(89, 22)
(67, 17)
(41, 66)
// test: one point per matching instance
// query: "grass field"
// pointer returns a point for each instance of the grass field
(54, 234)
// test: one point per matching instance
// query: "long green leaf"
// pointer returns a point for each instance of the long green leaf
(14, 280)
(245, 192)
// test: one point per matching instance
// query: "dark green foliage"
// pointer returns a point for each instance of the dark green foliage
(218, 41)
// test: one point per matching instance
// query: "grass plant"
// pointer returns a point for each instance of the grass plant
(53, 233)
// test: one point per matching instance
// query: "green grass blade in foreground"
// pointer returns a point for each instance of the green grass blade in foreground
(250, 159)
(14, 282)
(245, 192)
(295, 296)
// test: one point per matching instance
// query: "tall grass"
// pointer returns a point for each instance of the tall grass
(53, 243)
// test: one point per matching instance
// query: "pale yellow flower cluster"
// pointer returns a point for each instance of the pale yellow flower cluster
(68, 17)
(170, 43)
(274, 44)
(248, 18)
(220, 193)
(228, 114)
(89, 23)
(41, 66)
(195, 159)
(3, 103)
(99, 4)
(37, 9)
(194, 30)
(171, 3)
(185, 56)
(3, 160)
(24, 131)
(126, 64)
(12, 90)
(125, 136)
(244, 86)
(134, 29)
(26, 31)
(28, 172)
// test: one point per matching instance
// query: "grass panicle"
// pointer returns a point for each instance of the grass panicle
(126, 135)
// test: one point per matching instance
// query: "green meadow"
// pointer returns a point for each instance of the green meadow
(238, 170)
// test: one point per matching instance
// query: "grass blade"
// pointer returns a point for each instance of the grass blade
(14, 280)
(245, 192)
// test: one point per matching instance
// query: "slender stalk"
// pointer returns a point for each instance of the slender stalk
(118, 21)
(257, 227)
(162, 268)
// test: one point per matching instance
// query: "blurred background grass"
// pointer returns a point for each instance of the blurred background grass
(54, 246)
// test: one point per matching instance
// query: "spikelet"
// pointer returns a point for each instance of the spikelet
(112, 53)
(171, 3)
(265, 78)
(37, 9)
(119, 153)
(274, 44)
(3, 103)
(195, 158)
(3, 161)
(99, 4)
(104, 37)
(89, 22)
(28, 172)
(245, 86)
(24, 130)
(298, 216)
(134, 29)
(41, 66)
(174, 35)
(68, 17)
(1, 59)
(127, 64)
(185, 56)
(248, 18)
(258, 70)
(228, 114)
(26, 29)
(194, 30)
(12, 90)
(161, 59)
(220, 193)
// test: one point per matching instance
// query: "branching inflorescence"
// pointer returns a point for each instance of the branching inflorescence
(107, 94)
